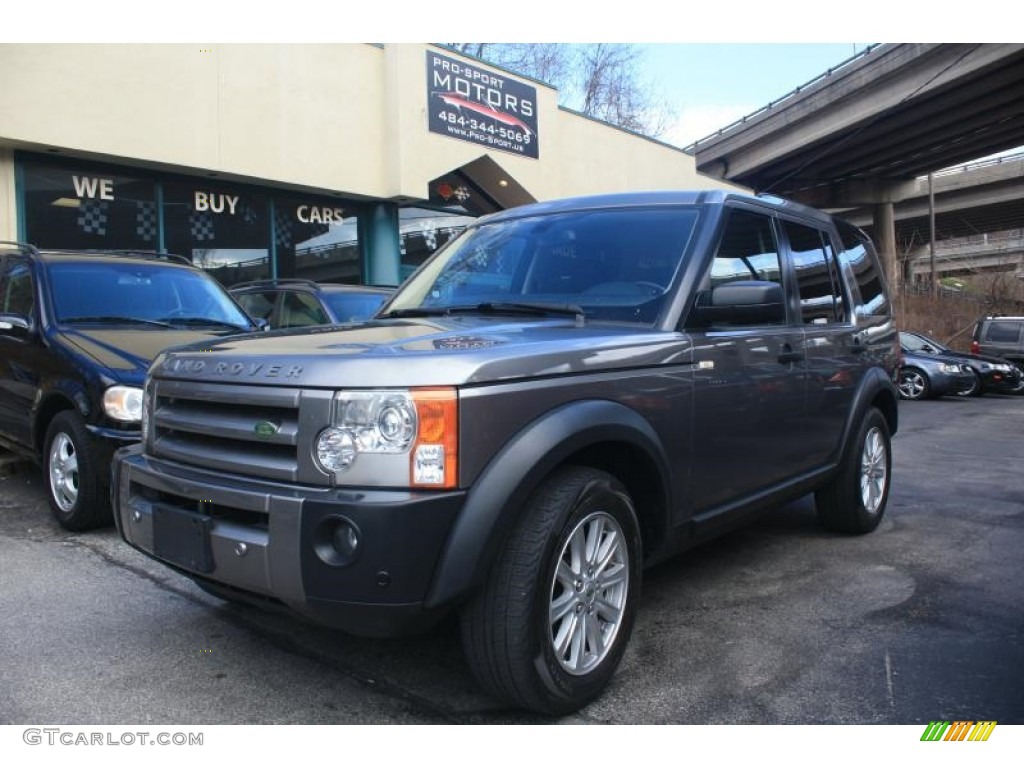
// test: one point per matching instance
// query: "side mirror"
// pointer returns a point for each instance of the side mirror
(747, 302)
(15, 325)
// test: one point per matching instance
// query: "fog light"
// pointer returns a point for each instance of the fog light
(336, 541)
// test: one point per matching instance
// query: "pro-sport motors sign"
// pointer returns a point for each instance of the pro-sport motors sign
(467, 102)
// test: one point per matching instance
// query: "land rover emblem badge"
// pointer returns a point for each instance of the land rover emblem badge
(265, 428)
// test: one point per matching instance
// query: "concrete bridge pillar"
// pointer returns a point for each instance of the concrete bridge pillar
(884, 228)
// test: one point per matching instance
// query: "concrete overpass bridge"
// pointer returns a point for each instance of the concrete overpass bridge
(861, 134)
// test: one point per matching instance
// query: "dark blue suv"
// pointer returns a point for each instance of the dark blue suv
(77, 332)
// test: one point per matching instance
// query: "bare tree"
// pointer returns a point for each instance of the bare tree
(600, 80)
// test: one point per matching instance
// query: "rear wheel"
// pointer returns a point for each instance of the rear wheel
(550, 625)
(854, 500)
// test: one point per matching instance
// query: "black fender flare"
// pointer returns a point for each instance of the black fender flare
(494, 502)
(874, 383)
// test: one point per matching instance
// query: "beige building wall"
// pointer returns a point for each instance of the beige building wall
(336, 118)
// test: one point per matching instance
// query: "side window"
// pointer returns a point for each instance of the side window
(1003, 331)
(821, 301)
(747, 251)
(257, 305)
(858, 256)
(301, 309)
(17, 294)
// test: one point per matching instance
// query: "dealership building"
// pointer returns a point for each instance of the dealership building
(341, 162)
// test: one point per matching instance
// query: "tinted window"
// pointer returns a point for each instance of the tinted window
(17, 294)
(747, 250)
(1003, 331)
(614, 264)
(353, 306)
(819, 295)
(857, 257)
(258, 305)
(300, 309)
(90, 292)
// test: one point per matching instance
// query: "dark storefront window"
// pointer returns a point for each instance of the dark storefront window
(225, 231)
(88, 209)
(235, 232)
(317, 241)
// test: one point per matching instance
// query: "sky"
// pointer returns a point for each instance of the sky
(708, 86)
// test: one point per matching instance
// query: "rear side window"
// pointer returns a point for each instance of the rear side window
(821, 298)
(1003, 331)
(858, 256)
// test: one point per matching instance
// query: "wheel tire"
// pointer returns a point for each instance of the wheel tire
(913, 384)
(76, 477)
(854, 499)
(516, 650)
(976, 389)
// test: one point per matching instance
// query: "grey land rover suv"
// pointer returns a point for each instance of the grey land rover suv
(567, 393)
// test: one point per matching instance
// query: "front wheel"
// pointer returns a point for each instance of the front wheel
(854, 500)
(549, 627)
(913, 384)
(975, 389)
(76, 474)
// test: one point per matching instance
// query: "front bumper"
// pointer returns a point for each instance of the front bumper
(274, 540)
(1001, 381)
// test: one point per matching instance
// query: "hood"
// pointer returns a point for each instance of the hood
(425, 352)
(127, 352)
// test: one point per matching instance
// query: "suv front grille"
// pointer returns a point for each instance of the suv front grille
(243, 430)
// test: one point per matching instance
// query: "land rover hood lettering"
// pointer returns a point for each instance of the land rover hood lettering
(239, 370)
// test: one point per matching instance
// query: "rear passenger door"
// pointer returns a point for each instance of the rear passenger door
(748, 387)
(832, 358)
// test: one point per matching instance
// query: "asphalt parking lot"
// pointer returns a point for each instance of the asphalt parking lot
(778, 623)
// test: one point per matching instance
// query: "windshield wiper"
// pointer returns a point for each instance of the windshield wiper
(206, 321)
(117, 319)
(535, 309)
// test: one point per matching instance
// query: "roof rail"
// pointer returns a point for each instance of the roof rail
(25, 248)
(271, 281)
(30, 250)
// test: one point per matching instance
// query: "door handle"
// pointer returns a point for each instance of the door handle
(788, 355)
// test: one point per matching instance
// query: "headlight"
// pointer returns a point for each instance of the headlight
(405, 437)
(123, 403)
(950, 368)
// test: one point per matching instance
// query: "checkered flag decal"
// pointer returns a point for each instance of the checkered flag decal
(463, 194)
(145, 220)
(92, 217)
(282, 229)
(429, 229)
(201, 226)
(249, 215)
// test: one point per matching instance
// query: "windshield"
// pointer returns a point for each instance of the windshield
(351, 306)
(148, 294)
(614, 264)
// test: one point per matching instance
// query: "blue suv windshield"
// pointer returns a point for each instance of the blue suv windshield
(156, 294)
(612, 264)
